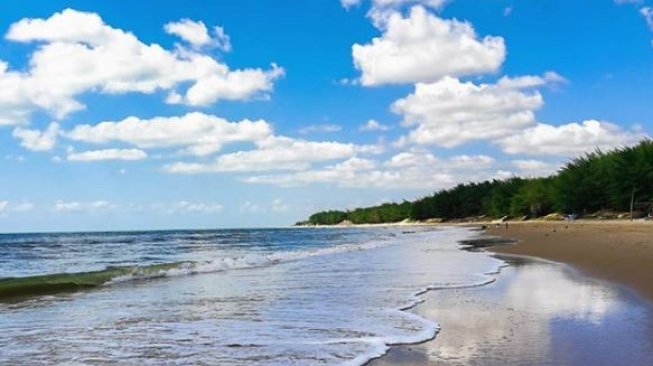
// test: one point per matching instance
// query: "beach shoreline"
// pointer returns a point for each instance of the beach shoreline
(615, 255)
(619, 251)
(537, 312)
(616, 251)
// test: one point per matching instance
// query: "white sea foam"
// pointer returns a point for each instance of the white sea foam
(227, 263)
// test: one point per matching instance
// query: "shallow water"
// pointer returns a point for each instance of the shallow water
(536, 313)
(265, 297)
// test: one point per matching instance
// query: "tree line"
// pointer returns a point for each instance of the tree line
(619, 180)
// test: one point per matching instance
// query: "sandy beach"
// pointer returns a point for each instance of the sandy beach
(618, 251)
(593, 307)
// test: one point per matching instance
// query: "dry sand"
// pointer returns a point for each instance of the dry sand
(617, 251)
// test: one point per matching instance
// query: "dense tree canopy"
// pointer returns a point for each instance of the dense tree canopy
(598, 181)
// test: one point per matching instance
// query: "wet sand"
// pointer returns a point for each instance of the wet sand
(618, 251)
(597, 309)
(536, 313)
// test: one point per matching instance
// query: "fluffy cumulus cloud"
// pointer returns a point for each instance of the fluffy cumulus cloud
(197, 133)
(450, 112)
(569, 139)
(197, 34)
(108, 154)
(422, 47)
(406, 170)
(200, 135)
(36, 140)
(344, 174)
(411, 159)
(373, 125)
(78, 53)
(275, 153)
(230, 85)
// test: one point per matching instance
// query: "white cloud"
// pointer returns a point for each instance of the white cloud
(647, 13)
(530, 164)
(423, 47)
(66, 206)
(326, 128)
(373, 125)
(450, 112)
(234, 85)
(349, 3)
(342, 174)
(404, 171)
(78, 53)
(568, 140)
(36, 140)
(274, 153)
(381, 10)
(181, 207)
(6, 207)
(221, 39)
(195, 33)
(77, 206)
(108, 154)
(395, 3)
(198, 133)
(535, 168)
(198, 207)
(472, 160)
(531, 81)
(411, 159)
(503, 175)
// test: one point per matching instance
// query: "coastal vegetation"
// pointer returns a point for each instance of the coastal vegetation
(593, 185)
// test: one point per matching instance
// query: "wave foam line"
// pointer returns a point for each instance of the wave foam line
(67, 282)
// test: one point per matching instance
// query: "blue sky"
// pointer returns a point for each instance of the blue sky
(168, 114)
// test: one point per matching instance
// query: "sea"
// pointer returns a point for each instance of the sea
(293, 296)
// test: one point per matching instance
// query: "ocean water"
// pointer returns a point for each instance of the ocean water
(225, 297)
